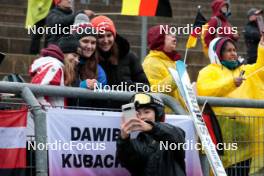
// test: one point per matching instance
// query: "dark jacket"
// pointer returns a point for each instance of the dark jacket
(128, 72)
(62, 18)
(128, 69)
(144, 157)
(252, 38)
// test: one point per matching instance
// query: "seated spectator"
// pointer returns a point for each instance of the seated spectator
(143, 156)
(62, 16)
(252, 36)
(219, 21)
(223, 78)
(120, 64)
(162, 56)
(55, 64)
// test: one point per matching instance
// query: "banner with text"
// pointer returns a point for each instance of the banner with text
(83, 143)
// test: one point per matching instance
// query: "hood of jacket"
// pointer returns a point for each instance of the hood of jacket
(123, 45)
(49, 56)
(216, 6)
(214, 50)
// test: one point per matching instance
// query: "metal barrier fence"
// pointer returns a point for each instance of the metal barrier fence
(246, 134)
(39, 158)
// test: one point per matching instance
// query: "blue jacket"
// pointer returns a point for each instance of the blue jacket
(101, 78)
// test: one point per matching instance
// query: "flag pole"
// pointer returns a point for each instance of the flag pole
(185, 55)
(108, 13)
(144, 26)
(253, 73)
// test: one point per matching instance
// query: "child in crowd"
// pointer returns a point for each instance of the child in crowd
(143, 156)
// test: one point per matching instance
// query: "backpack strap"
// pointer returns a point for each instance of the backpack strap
(219, 23)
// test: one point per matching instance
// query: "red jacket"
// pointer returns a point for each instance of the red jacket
(48, 70)
(218, 19)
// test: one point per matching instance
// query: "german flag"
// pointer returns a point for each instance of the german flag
(213, 126)
(146, 8)
(198, 23)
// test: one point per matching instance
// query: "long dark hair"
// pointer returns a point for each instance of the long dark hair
(114, 54)
(89, 69)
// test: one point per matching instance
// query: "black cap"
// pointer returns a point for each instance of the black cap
(69, 44)
(251, 12)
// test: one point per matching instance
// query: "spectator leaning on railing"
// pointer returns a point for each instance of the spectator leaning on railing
(56, 66)
(224, 78)
(116, 58)
(90, 74)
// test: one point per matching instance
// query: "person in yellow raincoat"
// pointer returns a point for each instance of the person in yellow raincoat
(37, 11)
(162, 56)
(223, 78)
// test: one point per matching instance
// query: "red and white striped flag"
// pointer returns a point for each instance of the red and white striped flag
(13, 142)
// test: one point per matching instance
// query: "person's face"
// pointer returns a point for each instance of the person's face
(170, 43)
(65, 4)
(230, 52)
(146, 114)
(224, 9)
(88, 46)
(72, 58)
(106, 41)
(253, 18)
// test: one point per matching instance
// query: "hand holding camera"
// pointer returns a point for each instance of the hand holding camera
(260, 21)
(131, 123)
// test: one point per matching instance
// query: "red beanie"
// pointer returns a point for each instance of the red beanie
(56, 2)
(156, 38)
(156, 41)
(220, 44)
(105, 23)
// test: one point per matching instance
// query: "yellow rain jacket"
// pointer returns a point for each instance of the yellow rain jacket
(156, 66)
(218, 81)
(36, 11)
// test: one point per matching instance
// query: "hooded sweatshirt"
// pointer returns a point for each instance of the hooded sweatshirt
(218, 20)
(48, 70)
(218, 81)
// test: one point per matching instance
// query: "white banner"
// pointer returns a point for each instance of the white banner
(83, 143)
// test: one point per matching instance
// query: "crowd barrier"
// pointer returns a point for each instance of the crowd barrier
(37, 163)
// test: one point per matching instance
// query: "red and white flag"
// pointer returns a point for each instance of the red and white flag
(13, 142)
